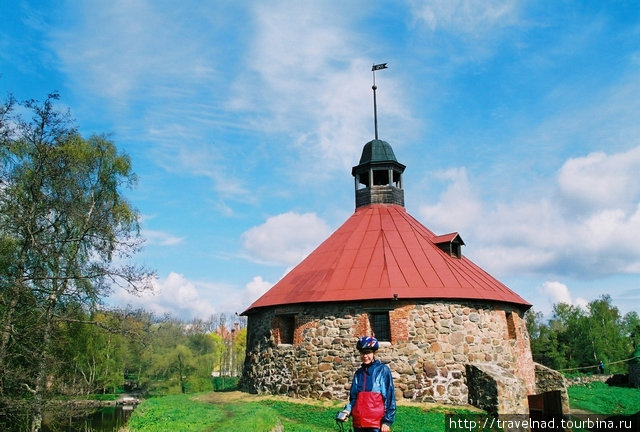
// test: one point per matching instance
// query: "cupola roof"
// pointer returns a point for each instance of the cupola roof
(377, 151)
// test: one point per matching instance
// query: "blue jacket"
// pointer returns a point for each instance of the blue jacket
(379, 380)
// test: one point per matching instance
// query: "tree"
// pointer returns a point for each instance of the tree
(6, 122)
(239, 349)
(579, 338)
(135, 328)
(66, 224)
(631, 328)
(99, 358)
(565, 326)
(605, 333)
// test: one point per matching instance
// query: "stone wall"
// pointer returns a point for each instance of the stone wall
(587, 379)
(496, 390)
(549, 380)
(431, 342)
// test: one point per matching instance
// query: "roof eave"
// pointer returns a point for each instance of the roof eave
(524, 305)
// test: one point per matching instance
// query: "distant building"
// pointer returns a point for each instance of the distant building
(449, 331)
(228, 365)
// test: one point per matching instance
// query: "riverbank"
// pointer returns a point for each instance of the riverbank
(104, 419)
(125, 400)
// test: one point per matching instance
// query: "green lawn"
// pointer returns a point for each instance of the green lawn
(259, 414)
(600, 398)
(235, 411)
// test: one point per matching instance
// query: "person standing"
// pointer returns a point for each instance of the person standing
(372, 400)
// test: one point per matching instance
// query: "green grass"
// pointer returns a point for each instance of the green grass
(191, 413)
(225, 412)
(601, 398)
(175, 412)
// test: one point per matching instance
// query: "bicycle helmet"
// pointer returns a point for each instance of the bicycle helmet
(367, 343)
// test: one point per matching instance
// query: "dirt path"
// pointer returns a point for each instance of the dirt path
(238, 396)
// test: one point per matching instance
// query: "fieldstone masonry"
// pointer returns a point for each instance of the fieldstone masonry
(496, 390)
(549, 380)
(431, 345)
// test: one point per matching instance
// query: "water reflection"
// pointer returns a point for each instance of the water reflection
(108, 419)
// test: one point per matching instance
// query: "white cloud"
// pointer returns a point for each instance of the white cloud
(256, 288)
(286, 238)
(466, 16)
(581, 302)
(205, 160)
(156, 69)
(458, 207)
(187, 299)
(599, 180)
(303, 55)
(175, 295)
(119, 49)
(544, 235)
(160, 238)
(556, 292)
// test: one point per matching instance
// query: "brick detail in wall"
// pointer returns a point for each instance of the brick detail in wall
(525, 366)
(362, 326)
(398, 319)
(303, 323)
(511, 318)
(275, 330)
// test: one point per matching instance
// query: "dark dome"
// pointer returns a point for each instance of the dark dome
(377, 151)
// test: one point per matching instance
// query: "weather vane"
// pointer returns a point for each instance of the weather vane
(374, 68)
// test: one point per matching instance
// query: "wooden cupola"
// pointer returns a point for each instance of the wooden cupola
(378, 176)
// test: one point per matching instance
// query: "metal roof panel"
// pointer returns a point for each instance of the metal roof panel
(379, 251)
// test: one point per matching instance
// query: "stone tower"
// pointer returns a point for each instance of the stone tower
(449, 331)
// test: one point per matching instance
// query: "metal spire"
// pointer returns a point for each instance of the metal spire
(374, 68)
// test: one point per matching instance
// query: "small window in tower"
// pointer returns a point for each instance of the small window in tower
(511, 325)
(380, 326)
(364, 180)
(380, 177)
(285, 326)
(397, 179)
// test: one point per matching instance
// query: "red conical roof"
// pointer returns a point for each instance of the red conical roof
(378, 252)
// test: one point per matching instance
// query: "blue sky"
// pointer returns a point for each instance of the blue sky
(519, 123)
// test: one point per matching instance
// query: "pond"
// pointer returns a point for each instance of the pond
(107, 419)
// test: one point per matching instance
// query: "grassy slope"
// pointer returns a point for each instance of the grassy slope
(600, 398)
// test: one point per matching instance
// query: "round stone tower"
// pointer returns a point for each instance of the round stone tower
(448, 330)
